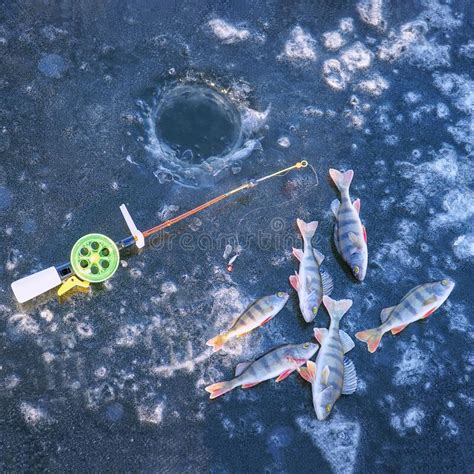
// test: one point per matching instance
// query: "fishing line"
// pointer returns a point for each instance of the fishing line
(284, 203)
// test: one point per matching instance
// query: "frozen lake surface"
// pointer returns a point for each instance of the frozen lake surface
(98, 105)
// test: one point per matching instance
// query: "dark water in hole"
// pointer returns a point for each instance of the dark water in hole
(114, 380)
(198, 123)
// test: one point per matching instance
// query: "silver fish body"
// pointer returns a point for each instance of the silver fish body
(418, 303)
(311, 283)
(332, 374)
(279, 362)
(350, 236)
(257, 314)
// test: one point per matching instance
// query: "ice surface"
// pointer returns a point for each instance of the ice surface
(374, 86)
(337, 438)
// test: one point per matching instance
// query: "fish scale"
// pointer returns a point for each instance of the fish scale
(418, 303)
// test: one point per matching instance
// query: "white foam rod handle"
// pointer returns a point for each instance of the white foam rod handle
(34, 285)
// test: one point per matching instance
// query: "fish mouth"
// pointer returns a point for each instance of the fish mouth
(321, 415)
(308, 316)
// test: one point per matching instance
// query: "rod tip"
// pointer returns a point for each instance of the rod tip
(302, 164)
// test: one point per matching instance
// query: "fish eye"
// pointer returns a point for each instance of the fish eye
(306, 345)
(281, 294)
(444, 282)
(328, 407)
(356, 269)
(315, 309)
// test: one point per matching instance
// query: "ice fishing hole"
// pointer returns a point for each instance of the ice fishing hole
(198, 122)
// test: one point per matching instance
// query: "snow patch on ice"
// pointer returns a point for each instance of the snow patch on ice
(356, 57)
(467, 49)
(448, 426)
(411, 420)
(415, 366)
(301, 46)
(375, 85)
(34, 415)
(335, 75)
(227, 32)
(333, 40)
(371, 12)
(463, 246)
(151, 414)
(337, 438)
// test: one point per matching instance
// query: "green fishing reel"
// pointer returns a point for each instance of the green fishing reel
(95, 258)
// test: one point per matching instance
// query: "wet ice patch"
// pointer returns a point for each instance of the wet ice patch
(52, 65)
(5, 198)
(337, 438)
(411, 420)
(227, 32)
(301, 46)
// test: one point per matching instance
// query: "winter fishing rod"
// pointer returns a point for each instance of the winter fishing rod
(95, 257)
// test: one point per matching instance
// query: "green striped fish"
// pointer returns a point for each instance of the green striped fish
(418, 303)
(350, 235)
(257, 314)
(332, 374)
(311, 283)
(279, 362)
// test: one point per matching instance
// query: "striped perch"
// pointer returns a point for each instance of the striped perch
(279, 362)
(258, 314)
(332, 374)
(350, 235)
(418, 303)
(311, 283)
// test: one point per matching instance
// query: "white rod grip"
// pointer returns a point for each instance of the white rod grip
(30, 287)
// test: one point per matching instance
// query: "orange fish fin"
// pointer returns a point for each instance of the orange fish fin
(398, 329)
(284, 375)
(320, 334)
(249, 385)
(218, 389)
(372, 337)
(356, 204)
(429, 313)
(298, 254)
(294, 281)
(308, 372)
(266, 321)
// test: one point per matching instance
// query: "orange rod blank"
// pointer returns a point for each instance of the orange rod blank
(251, 184)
